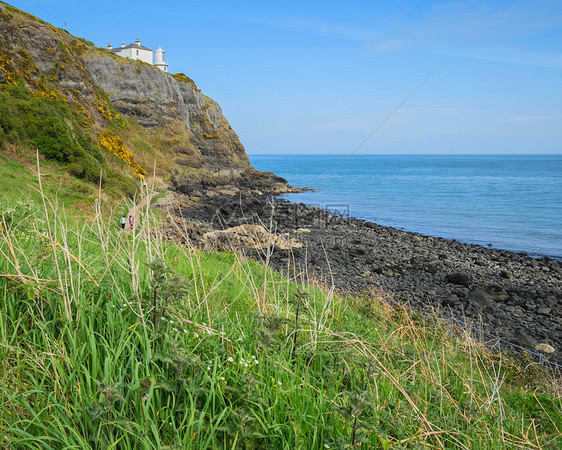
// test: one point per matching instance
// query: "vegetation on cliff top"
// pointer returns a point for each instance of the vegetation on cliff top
(183, 78)
(49, 102)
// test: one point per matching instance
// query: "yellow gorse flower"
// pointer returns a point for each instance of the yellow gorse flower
(114, 144)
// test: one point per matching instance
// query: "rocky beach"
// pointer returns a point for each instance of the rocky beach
(514, 297)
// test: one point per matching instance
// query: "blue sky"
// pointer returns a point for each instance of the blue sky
(320, 76)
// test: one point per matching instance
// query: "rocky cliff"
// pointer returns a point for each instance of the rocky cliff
(156, 99)
(92, 110)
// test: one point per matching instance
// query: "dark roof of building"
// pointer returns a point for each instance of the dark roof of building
(137, 46)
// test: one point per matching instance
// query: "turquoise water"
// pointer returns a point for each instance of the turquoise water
(513, 202)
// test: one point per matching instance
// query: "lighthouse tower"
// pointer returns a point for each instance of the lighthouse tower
(160, 59)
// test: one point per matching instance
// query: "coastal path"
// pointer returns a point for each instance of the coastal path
(134, 212)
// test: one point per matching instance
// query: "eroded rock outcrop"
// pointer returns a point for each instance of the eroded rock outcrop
(247, 236)
(234, 180)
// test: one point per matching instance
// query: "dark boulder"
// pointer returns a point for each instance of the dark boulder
(459, 279)
(524, 339)
(506, 274)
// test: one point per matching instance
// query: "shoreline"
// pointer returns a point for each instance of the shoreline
(536, 255)
(510, 201)
(514, 296)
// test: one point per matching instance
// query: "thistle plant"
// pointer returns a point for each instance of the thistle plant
(167, 286)
(298, 296)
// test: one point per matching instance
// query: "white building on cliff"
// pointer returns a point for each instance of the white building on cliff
(142, 53)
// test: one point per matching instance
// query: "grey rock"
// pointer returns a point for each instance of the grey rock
(480, 298)
(523, 338)
(450, 301)
(500, 297)
(136, 85)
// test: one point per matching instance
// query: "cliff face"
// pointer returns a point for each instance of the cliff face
(106, 106)
(152, 97)
(156, 99)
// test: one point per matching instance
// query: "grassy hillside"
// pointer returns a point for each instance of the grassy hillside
(115, 340)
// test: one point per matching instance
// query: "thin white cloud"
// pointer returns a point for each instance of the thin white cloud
(524, 119)
(489, 31)
(362, 122)
(327, 28)
(544, 117)
(310, 26)
(284, 21)
(536, 59)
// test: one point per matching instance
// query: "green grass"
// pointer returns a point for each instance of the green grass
(20, 181)
(114, 340)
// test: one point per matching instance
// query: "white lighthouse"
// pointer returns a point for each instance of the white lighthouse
(138, 51)
(160, 59)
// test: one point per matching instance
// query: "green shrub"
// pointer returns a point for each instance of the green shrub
(48, 124)
(118, 182)
(85, 170)
(52, 139)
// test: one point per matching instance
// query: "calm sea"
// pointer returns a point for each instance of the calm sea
(513, 202)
